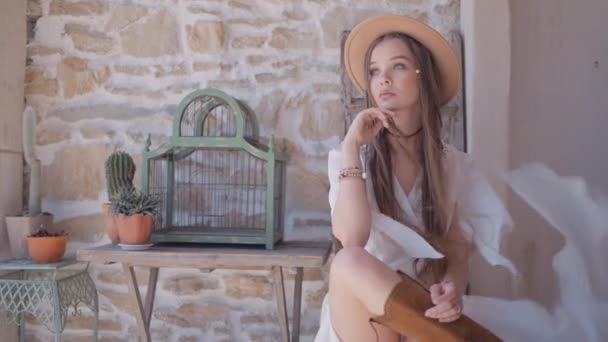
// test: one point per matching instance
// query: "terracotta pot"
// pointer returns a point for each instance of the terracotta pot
(135, 229)
(48, 249)
(19, 227)
(111, 227)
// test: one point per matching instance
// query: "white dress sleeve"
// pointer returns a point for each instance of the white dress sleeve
(481, 214)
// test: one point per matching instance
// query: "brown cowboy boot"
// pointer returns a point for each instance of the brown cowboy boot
(404, 313)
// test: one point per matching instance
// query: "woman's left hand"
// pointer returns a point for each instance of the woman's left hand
(447, 300)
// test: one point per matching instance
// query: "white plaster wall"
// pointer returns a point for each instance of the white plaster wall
(558, 116)
(12, 66)
(486, 32)
(536, 91)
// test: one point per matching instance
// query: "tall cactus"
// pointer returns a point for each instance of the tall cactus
(29, 125)
(120, 170)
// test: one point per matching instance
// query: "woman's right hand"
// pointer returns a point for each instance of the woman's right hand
(367, 125)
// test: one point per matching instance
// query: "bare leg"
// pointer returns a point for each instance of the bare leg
(359, 285)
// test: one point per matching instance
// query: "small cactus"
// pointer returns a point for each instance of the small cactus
(132, 201)
(29, 125)
(120, 170)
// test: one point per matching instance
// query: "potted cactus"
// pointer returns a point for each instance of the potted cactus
(19, 227)
(134, 211)
(120, 170)
(45, 247)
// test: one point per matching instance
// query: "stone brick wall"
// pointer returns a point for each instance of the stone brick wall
(105, 73)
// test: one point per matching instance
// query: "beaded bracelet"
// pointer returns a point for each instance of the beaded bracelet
(352, 172)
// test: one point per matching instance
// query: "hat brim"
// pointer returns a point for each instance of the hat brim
(364, 34)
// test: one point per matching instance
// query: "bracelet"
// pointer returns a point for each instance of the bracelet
(352, 172)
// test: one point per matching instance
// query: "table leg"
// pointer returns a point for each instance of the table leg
(58, 321)
(144, 333)
(297, 306)
(96, 311)
(279, 290)
(92, 302)
(150, 292)
(21, 315)
(21, 327)
(58, 324)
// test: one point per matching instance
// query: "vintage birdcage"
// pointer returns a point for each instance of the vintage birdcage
(220, 183)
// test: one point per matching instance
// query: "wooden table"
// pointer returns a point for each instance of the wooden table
(297, 254)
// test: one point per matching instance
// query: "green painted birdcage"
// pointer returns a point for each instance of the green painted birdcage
(219, 182)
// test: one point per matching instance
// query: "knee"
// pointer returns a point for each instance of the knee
(348, 261)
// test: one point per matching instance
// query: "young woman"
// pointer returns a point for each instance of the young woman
(397, 189)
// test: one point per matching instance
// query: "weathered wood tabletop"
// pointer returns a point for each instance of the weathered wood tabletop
(285, 254)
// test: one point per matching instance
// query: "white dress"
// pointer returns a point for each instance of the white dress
(481, 214)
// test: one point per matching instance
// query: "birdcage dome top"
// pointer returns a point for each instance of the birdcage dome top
(213, 113)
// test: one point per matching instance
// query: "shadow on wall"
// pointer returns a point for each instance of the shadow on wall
(521, 246)
(578, 267)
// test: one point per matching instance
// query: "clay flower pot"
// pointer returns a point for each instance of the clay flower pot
(47, 249)
(20, 227)
(111, 227)
(135, 229)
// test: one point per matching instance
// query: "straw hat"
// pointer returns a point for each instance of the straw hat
(362, 36)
